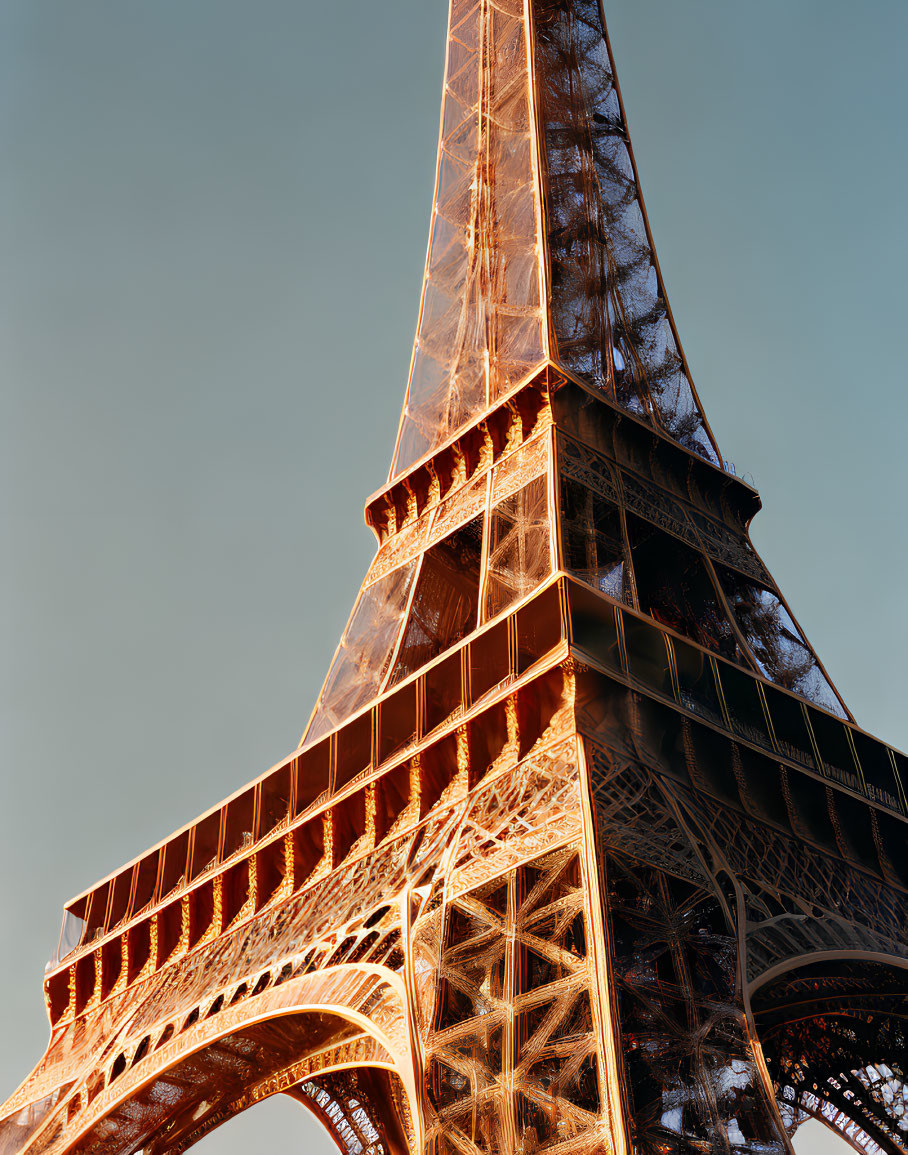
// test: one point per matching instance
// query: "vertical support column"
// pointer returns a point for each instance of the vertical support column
(692, 1079)
(514, 1047)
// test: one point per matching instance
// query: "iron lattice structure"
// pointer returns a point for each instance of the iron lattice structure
(581, 850)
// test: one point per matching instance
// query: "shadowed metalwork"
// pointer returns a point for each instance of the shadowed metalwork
(581, 850)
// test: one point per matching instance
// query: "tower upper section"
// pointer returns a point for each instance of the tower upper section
(557, 508)
(550, 424)
(539, 248)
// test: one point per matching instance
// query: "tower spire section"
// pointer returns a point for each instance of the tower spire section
(539, 247)
(543, 296)
(482, 326)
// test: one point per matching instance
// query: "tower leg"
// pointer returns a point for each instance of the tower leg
(693, 1074)
(514, 1058)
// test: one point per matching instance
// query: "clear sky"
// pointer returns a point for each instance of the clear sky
(213, 220)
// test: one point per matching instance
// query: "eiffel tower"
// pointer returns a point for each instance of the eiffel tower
(581, 850)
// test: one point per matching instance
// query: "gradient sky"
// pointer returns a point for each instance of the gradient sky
(213, 219)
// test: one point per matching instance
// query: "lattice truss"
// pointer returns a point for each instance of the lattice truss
(522, 499)
(314, 993)
(513, 1050)
(581, 850)
(701, 899)
(482, 322)
(539, 248)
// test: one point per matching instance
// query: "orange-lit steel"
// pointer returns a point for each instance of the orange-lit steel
(581, 850)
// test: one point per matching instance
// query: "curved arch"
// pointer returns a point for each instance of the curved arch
(159, 1083)
(338, 1113)
(832, 1120)
(361, 1106)
(279, 1123)
(800, 961)
(833, 1028)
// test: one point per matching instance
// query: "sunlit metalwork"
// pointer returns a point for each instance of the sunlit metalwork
(581, 850)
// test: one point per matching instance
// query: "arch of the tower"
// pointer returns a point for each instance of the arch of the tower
(338, 1041)
(345, 1105)
(328, 1063)
(833, 1028)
